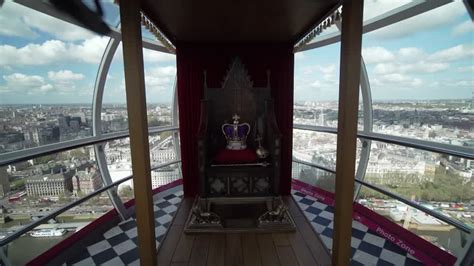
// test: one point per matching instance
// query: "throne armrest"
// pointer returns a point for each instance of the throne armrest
(203, 121)
(272, 126)
(274, 143)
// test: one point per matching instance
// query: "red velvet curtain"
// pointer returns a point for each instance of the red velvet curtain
(192, 60)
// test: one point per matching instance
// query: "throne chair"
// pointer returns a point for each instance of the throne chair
(238, 158)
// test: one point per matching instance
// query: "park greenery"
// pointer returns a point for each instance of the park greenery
(444, 186)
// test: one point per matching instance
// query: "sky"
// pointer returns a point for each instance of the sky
(45, 60)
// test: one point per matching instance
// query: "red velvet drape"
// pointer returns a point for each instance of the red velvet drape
(192, 60)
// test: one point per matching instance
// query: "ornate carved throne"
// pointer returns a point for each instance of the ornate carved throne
(239, 153)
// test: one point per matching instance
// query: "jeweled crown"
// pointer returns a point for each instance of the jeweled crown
(236, 134)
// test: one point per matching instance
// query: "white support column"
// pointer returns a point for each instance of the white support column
(97, 124)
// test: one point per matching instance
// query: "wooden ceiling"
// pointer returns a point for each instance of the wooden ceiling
(233, 21)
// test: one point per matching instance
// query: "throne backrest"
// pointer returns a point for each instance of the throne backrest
(236, 96)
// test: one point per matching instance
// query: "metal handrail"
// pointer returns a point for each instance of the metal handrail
(439, 216)
(27, 154)
(458, 151)
(57, 212)
(314, 165)
(415, 205)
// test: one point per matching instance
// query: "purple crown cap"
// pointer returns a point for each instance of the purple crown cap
(236, 134)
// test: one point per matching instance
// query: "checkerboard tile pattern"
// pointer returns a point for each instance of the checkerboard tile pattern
(368, 248)
(118, 246)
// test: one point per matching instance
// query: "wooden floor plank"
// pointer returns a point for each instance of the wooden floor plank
(233, 250)
(183, 211)
(250, 250)
(292, 206)
(216, 256)
(302, 247)
(183, 249)
(286, 256)
(318, 249)
(178, 264)
(280, 239)
(267, 250)
(166, 250)
(302, 252)
(200, 250)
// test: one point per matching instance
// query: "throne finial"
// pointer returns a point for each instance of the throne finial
(236, 118)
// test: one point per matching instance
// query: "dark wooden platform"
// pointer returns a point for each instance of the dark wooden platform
(302, 247)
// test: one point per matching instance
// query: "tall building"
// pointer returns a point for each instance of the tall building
(164, 176)
(51, 185)
(87, 181)
(4, 183)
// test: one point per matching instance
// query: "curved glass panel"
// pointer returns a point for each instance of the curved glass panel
(34, 187)
(159, 177)
(315, 147)
(47, 73)
(119, 161)
(421, 74)
(314, 176)
(318, 148)
(316, 85)
(43, 237)
(430, 178)
(114, 116)
(422, 224)
(160, 75)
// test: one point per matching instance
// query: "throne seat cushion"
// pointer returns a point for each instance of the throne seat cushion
(226, 156)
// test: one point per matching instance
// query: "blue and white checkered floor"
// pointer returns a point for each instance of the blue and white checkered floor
(118, 246)
(367, 247)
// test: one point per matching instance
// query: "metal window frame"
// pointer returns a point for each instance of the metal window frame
(406, 11)
(448, 220)
(458, 151)
(27, 154)
(57, 212)
(46, 8)
(448, 149)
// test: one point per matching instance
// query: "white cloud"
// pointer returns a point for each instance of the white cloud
(413, 60)
(406, 65)
(150, 56)
(316, 81)
(466, 69)
(373, 8)
(53, 51)
(410, 54)
(416, 67)
(432, 19)
(400, 79)
(12, 24)
(30, 84)
(299, 56)
(18, 20)
(90, 50)
(464, 27)
(160, 79)
(377, 54)
(64, 76)
(454, 53)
